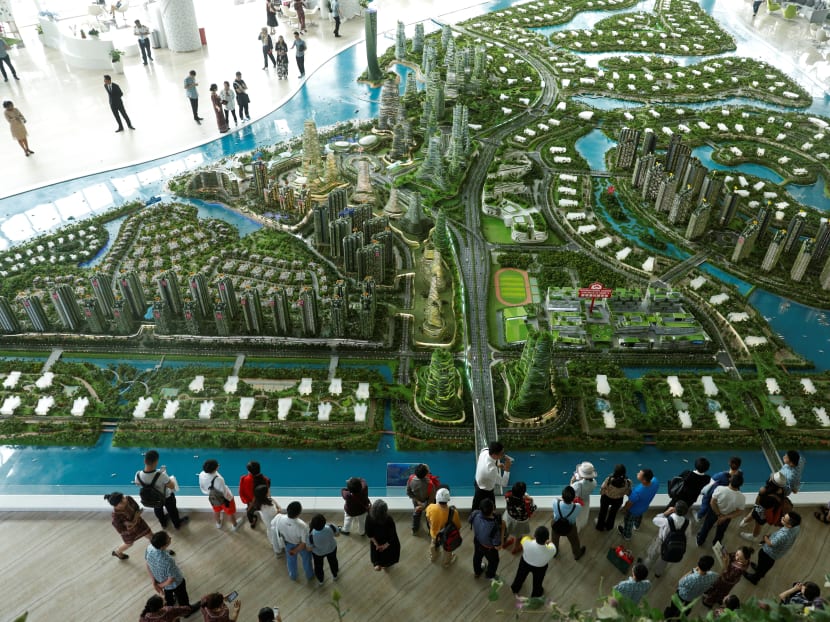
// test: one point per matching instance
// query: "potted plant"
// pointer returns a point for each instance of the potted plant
(93, 33)
(115, 57)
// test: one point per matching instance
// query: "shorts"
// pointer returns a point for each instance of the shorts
(515, 527)
(228, 509)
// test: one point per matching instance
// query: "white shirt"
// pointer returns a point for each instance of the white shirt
(142, 477)
(292, 530)
(663, 523)
(728, 500)
(536, 554)
(219, 485)
(488, 475)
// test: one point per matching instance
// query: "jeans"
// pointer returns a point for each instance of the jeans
(334, 566)
(228, 113)
(178, 595)
(194, 105)
(291, 561)
(144, 45)
(709, 521)
(336, 25)
(301, 64)
(266, 54)
(243, 111)
(608, 508)
(491, 554)
(172, 512)
(522, 571)
(630, 523)
(8, 61)
(358, 522)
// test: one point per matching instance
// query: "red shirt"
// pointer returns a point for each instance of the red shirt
(247, 483)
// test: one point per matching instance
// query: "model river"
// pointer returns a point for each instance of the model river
(98, 469)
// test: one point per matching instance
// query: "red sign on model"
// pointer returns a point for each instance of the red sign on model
(594, 291)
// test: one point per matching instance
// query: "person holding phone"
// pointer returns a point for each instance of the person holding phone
(214, 608)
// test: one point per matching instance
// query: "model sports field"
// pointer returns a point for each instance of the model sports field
(512, 287)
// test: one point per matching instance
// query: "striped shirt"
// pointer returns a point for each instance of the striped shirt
(162, 567)
(781, 542)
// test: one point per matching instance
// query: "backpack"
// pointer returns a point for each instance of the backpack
(562, 526)
(676, 485)
(674, 546)
(449, 538)
(215, 497)
(151, 497)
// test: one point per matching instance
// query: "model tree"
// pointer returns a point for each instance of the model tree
(440, 394)
(534, 395)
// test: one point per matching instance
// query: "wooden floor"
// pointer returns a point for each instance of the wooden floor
(60, 565)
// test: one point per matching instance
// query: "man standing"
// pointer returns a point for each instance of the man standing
(693, 585)
(489, 472)
(638, 502)
(168, 580)
(565, 512)
(190, 85)
(143, 33)
(488, 532)
(421, 488)
(300, 46)
(438, 516)
(669, 546)
(792, 470)
(727, 503)
(163, 484)
(335, 13)
(776, 546)
(636, 585)
(4, 58)
(687, 486)
(116, 104)
(536, 555)
(718, 479)
(294, 531)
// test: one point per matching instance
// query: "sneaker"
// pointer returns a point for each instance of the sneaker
(622, 532)
(453, 559)
(581, 553)
(237, 525)
(219, 524)
(320, 583)
(335, 578)
(345, 533)
(745, 521)
(184, 521)
(748, 535)
(414, 532)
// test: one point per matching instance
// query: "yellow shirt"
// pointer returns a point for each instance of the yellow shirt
(437, 516)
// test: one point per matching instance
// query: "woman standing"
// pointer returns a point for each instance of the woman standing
(734, 567)
(271, 14)
(17, 122)
(615, 487)
(298, 6)
(385, 548)
(156, 611)
(520, 508)
(214, 608)
(583, 482)
(221, 123)
(228, 97)
(267, 47)
(126, 518)
(281, 48)
(323, 546)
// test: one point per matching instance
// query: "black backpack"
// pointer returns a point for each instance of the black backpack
(674, 546)
(449, 538)
(562, 525)
(151, 497)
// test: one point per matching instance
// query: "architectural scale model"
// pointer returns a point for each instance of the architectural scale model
(496, 254)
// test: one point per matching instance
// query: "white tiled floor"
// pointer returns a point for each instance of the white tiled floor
(72, 130)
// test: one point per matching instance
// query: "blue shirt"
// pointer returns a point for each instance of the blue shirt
(190, 87)
(641, 497)
(322, 542)
(695, 584)
(781, 542)
(793, 475)
(486, 530)
(162, 567)
(563, 510)
(633, 590)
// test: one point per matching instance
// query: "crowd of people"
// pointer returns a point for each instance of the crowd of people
(314, 544)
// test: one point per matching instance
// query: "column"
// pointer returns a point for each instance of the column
(180, 29)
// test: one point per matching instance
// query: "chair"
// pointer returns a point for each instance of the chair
(293, 18)
(125, 4)
(772, 6)
(790, 11)
(97, 11)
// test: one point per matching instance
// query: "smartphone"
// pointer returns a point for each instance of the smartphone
(276, 612)
(232, 596)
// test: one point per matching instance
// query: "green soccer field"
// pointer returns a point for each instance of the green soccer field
(512, 287)
(515, 329)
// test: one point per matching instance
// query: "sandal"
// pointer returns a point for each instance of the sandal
(120, 555)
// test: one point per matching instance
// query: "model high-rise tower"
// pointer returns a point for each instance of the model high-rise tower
(9, 323)
(227, 295)
(746, 242)
(168, 286)
(802, 260)
(309, 315)
(34, 311)
(102, 290)
(370, 16)
(199, 292)
(312, 162)
(389, 105)
(627, 145)
(774, 250)
(133, 293)
(794, 231)
(95, 320)
(252, 311)
(400, 41)
(280, 311)
(66, 304)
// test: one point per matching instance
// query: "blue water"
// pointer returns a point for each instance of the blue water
(588, 19)
(704, 153)
(101, 469)
(742, 286)
(112, 227)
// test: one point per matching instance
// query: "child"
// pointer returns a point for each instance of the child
(322, 544)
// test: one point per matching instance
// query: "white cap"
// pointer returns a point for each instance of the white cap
(442, 496)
